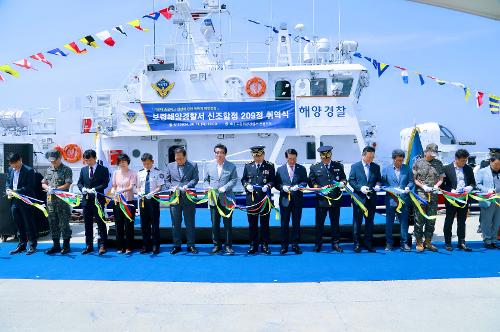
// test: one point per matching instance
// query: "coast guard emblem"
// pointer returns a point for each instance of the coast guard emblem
(163, 87)
(131, 116)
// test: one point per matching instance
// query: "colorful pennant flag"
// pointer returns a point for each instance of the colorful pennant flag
(24, 63)
(479, 98)
(120, 29)
(166, 13)
(74, 48)
(105, 36)
(89, 40)
(1, 79)
(467, 93)
(357, 55)
(257, 22)
(494, 104)
(381, 67)
(404, 74)
(137, 24)
(8, 69)
(153, 16)
(41, 57)
(421, 78)
(57, 51)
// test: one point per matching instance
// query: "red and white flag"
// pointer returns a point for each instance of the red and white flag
(24, 63)
(41, 57)
(479, 98)
(1, 79)
(105, 36)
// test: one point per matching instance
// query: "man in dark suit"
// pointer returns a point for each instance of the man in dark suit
(258, 180)
(181, 175)
(459, 178)
(364, 178)
(289, 178)
(322, 174)
(399, 177)
(21, 180)
(94, 178)
(221, 175)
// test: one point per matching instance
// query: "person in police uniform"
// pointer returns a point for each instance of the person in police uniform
(428, 175)
(322, 174)
(258, 180)
(60, 177)
(150, 180)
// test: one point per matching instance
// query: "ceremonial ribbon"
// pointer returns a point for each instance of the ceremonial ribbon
(124, 207)
(357, 201)
(31, 201)
(212, 195)
(71, 199)
(192, 196)
(486, 197)
(396, 197)
(456, 198)
(99, 208)
(417, 200)
(167, 200)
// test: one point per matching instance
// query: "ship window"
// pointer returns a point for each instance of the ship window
(283, 90)
(311, 150)
(318, 87)
(341, 86)
(446, 137)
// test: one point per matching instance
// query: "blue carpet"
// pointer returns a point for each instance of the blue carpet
(240, 218)
(308, 267)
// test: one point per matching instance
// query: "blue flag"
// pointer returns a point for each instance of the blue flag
(415, 149)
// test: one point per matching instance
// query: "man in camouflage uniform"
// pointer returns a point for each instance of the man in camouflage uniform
(60, 177)
(428, 174)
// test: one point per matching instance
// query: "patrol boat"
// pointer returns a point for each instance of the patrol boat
(202, 89)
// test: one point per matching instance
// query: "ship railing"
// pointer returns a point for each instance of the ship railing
(237, 55)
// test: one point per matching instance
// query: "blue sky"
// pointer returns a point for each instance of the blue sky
(449, 45)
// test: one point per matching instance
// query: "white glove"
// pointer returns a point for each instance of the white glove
(286, 189)
(150, 195)
(341, 185)
(453, 191)
(294, 188)
(85, 190)
(365, 190)
(264, 189)
(9, 193)
(426, 188)
(183, 188)
(376, 188)
(50, 191)
(92, 191)
(407, 190)
(210, 187)
(249, 188)
(491, 191)
(222, 189)
(435, 188)
(468, 189)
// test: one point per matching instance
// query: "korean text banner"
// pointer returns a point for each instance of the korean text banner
(220, 115)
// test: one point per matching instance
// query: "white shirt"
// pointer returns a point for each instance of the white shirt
(367, 169)
(156, 179)
(219, 169)
(291, 171)
(15, 181)
(459, 172)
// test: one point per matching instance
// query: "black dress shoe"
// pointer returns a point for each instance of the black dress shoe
(296, 249)
(252, 250)
(120, 251)
(66, 248)
(156, 250)
(405, 247)
(448, 247)
(175, 250)
(337, 248)
(144, 251)
(463, 246)
(31, 250)
(192, 250)
(229, 251)
(388, 247)
(53, 250)
(18, 250)
(283, 251)
(317, 248)
(216, 249)
(357, 248)
(489, 246)
(265, 249)
(87, 250)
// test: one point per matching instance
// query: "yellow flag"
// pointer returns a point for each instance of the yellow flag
(8, 69)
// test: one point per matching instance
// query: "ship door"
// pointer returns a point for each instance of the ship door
(166, 150)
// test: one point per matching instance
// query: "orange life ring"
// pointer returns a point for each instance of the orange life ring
(255, 87)
(72, 153)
